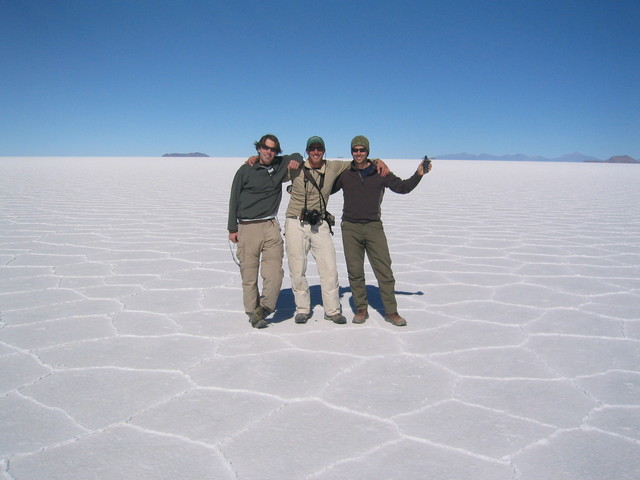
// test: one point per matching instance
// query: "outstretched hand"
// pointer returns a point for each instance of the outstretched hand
(421, 171)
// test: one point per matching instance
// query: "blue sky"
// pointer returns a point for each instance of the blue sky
(143, 78)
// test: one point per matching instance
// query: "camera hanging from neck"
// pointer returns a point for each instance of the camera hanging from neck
(308, 178)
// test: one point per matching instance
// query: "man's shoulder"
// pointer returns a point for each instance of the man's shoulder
(349, 171)
(293, 157)
(245, 168)
(390, 177)
(338, 167)
(338, 163)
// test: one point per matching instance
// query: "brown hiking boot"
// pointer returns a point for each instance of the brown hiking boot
(361, 315)
(395, 319)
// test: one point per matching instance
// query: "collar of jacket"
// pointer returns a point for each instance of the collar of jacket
(274, 163)
(320, 170)
(368, 170)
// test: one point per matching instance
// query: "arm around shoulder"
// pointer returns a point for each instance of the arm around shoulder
(383, 169)
(293, 161)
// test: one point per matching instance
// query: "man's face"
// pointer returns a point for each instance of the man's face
(315, 152)
(267, 152)
(359, 154)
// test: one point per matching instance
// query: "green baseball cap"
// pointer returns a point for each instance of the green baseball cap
(313, 140)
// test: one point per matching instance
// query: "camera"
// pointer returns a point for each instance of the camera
(310, 216)
(425, 164)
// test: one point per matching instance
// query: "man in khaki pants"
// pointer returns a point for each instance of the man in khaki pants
(307, 230)
(253, 224)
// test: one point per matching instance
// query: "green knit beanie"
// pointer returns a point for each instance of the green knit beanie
(360, 140)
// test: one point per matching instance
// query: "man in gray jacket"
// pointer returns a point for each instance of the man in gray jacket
(253, 224)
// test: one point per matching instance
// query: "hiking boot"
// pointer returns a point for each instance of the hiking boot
(395, 319)
(361, 315)
(258, 317)
(302, 317)
(337, 318)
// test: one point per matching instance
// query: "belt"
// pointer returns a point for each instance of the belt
(296, 217)
(248, 222)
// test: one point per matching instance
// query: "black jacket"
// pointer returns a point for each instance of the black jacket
(364, 191)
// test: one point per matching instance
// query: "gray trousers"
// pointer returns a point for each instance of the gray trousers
(358, 238)
(260, 249)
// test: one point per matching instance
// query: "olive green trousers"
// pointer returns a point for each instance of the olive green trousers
(369, 238)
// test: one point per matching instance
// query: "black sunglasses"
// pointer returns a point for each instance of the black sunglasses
(264, 147)
(358, 150)
(313, 149)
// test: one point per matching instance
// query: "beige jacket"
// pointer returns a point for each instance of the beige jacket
(331, 169)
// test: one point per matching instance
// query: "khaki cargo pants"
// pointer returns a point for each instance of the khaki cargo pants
(260, 250)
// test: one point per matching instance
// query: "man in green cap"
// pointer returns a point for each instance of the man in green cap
(308, 229)
(362, 230)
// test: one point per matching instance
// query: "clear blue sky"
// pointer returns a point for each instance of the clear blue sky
(143, 78)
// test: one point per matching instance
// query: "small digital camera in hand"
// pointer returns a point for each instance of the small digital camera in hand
(425, 164)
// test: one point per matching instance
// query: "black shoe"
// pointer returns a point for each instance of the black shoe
(302, 317)
(337, 318)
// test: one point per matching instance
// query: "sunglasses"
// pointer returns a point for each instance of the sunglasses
(358, 150)
(315, 149)
(264, 147)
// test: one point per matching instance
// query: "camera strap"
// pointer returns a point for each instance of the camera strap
(323, 204)
(309, 178)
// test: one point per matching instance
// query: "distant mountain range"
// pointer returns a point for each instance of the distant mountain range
(570, 157)
(194, 154)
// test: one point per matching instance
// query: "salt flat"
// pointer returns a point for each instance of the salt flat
(125, 352)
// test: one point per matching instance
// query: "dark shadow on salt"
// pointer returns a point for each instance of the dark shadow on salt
(286, 306)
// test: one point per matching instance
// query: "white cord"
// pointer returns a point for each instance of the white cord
(233, 252)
